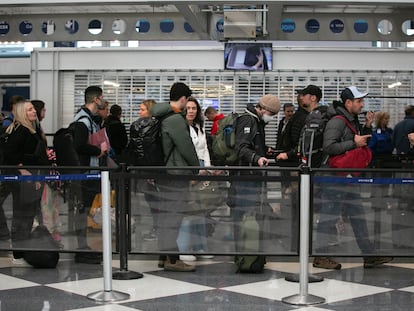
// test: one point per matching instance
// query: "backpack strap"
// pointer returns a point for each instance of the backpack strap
(348, 124)
(90, 120)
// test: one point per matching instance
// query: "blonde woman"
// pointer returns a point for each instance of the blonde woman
(24, 146)
(139, 156)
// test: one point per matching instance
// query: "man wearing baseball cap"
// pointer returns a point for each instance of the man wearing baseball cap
(352, 93)
(310, 90)
(345, 199)
(309, 99)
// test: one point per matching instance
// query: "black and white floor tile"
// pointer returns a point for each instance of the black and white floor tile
(214, 286)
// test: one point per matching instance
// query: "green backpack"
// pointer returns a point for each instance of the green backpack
(225, 140)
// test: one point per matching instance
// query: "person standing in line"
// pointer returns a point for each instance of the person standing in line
(288, 111)
(5, 190)
(381, 142)
(213, 116)
(403, 140)
(308, 100)
(401, 131)
(192, 235)
(89, 156)
(118, 137)
(335, 200)
(251, 150)
(178, 151)
(382, 146)
(283, 142)
(22, 149)
(49, 215)
(101, 114)
(39, 106)
(137, 130)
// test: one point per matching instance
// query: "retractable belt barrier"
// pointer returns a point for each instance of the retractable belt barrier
(306, 176)
(57, 177)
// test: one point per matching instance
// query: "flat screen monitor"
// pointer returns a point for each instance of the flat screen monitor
(253, 56)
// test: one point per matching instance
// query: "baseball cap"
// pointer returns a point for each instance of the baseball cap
(312, 90)
(270, 102)
(352, 92)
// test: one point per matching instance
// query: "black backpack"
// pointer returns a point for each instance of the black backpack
(3, 143)
(145, 144)
(63, 145)
(310, 147)
(48, 255)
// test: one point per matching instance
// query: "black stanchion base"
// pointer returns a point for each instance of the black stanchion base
(311, 278)
(126, 275)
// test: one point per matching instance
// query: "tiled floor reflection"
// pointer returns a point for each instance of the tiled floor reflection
(214, 286)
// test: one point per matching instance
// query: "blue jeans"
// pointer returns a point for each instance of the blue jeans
(192, 234)
(344, 199)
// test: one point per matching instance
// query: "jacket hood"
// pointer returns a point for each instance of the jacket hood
(250, 108)
(161, 109)
(331, 111)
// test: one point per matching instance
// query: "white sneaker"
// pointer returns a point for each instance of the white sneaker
(20, 263)
(204, 256)
(188, 258)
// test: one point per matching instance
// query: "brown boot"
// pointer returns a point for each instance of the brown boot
(372, 262)
(326, 263)
(178, 266)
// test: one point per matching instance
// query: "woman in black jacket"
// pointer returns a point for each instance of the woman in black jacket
(116, 131)
(24, 147)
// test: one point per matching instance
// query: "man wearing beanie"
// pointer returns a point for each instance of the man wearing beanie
(251, 150)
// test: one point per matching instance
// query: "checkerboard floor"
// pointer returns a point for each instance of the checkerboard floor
(214, 286)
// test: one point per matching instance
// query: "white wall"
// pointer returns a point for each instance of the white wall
(19, 66)
(297, 58)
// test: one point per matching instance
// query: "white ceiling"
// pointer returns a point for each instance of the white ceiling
(199, 12)
(16, 7)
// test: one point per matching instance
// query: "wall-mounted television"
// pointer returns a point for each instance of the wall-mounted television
(253, 56)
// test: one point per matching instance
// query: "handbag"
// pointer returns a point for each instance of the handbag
(207, 195)
(356, 158)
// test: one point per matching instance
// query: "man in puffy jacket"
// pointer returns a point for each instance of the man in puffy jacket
(338, 139)
(178, 151)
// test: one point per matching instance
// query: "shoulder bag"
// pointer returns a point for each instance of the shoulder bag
(356, 158)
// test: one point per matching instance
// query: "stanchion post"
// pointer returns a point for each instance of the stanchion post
(304, 298)
(123, 205)
(107, 295)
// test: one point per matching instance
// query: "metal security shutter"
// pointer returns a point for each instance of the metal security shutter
(231, 91)
(67, 98)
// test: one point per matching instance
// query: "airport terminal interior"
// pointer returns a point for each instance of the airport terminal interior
(135, 50)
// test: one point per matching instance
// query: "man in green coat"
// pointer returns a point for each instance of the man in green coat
(178, 151)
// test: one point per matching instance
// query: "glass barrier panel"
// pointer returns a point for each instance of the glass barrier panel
(225, 212)
(368, 213)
